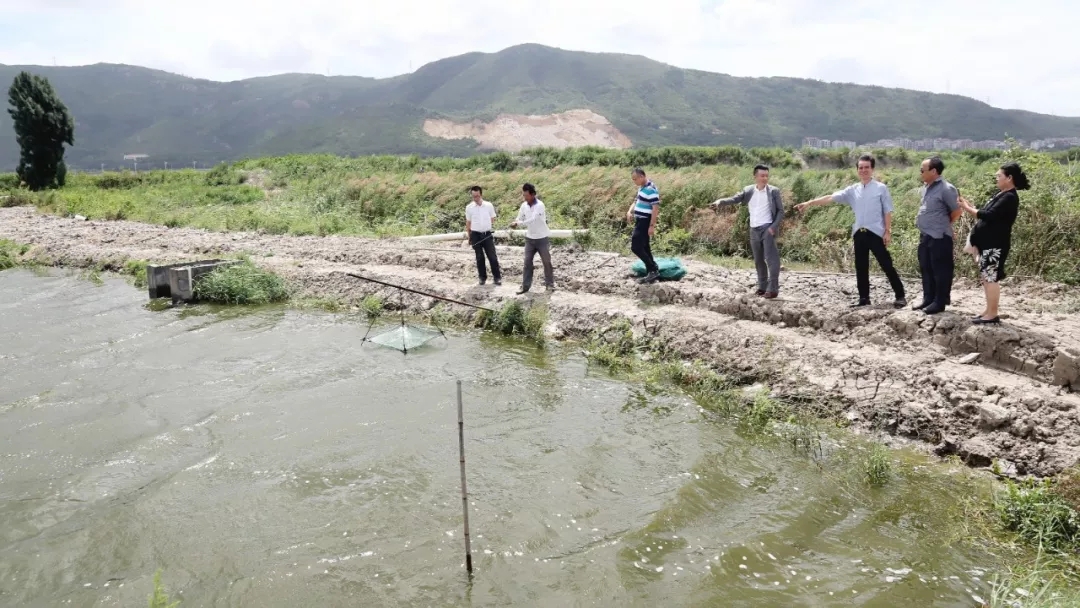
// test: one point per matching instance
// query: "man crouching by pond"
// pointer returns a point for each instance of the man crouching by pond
(643, 212)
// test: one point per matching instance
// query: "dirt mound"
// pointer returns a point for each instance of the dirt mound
(515, 132)
(880, 368)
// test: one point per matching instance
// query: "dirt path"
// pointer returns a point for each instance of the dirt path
(896, 370)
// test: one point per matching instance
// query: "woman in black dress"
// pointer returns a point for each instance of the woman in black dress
(992, 234)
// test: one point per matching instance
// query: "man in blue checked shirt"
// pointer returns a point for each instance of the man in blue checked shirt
(872, 231)
(643, 213)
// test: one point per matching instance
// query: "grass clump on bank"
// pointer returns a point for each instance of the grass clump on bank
(242, 283)
(11, 254)
(516, 319)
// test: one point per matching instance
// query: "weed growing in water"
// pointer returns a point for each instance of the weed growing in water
(877, 466)
(1036, 587)
(160, 599)
(242, 283)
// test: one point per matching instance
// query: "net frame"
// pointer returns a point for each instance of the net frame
(404, 329)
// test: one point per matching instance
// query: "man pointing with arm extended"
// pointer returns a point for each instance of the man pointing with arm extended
(872, 232)
(766, 213)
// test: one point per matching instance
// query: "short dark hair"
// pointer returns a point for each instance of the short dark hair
(868, 158)
(638, 171)
(760, 168)
(531, 189)
(476, 189)
(1013, 170)
(937, 164)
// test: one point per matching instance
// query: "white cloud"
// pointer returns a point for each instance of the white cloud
(1016, 56)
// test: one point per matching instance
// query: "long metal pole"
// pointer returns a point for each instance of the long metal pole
(421, 293)
(464, 492)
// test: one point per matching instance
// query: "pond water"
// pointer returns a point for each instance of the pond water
(270, 458)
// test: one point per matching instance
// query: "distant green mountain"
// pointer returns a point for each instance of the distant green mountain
(123, 109)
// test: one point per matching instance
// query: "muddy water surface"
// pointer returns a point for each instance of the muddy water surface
(269, 458)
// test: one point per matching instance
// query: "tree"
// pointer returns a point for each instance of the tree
(42, 126)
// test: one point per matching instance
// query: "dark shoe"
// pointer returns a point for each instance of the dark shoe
(900, 302)
(498, 282)
(522, 290)
(982, 321)
(549, 288)
(649, 278)
(759, 292)
(861, 303)
(483, 282)
(921, 306)
(770, 295)
(933, 309)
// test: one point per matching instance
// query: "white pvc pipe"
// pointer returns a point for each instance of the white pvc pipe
(499, 234)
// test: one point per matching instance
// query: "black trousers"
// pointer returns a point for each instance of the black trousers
(866, 242)
(484, 243)
(937, 266)
(639, 243)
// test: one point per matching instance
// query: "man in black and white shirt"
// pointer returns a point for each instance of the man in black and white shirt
(479, 216)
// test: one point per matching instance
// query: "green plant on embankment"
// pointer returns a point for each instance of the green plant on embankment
(516, 319)
(242, 283)
(585, 188)
(11, 254)
(136, 271)
(372, 306)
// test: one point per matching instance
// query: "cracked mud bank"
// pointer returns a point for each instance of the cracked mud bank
(881, 368)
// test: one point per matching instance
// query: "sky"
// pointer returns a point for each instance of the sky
(1010, 54)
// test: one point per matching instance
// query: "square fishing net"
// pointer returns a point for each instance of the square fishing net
(405, 337)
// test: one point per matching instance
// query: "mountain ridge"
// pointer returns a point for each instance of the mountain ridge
(121, 108)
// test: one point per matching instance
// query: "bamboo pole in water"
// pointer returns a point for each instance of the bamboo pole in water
(464, 492)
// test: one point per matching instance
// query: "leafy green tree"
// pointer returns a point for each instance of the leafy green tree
(42, 126)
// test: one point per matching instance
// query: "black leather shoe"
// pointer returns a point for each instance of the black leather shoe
(982, 321)
(861, 303)
(900, 302)
(921, 306)
(933, 309)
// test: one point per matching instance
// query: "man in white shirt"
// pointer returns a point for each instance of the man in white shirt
(479, 216)
(766, 213)
(532, 216)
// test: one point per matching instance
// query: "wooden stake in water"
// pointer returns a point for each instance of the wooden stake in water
(464, 492)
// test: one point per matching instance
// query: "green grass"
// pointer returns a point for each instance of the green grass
(159, 598)
(516, 319)
(583, 188)
(242, 283)
(877, 465)
(11, 254)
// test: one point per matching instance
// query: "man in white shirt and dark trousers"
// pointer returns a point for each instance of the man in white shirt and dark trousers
(766, 213)
(479, 216)
(872, 232)
(532, 216)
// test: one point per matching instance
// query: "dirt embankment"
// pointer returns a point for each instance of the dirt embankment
(884, 369)
(514, 132)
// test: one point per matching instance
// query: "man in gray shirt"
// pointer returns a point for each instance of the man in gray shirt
(872, 232)
(766, 213)
(938, 210)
